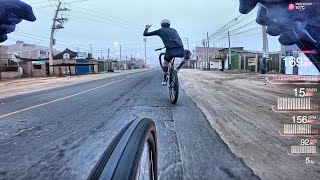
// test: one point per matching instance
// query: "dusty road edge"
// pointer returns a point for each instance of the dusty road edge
(212, 125)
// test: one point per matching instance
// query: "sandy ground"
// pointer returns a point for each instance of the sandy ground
(15, 87)
(238, 106)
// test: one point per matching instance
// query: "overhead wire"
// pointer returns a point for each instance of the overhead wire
(51, 4)
(104, 22)
(121, 24)
(108, 15)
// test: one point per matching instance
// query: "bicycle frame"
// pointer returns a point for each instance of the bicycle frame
(172, 78)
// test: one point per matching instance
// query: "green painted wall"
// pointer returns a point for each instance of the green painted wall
(101, 67)
(234, 60)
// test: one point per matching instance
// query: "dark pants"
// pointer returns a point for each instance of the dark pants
(173, 52)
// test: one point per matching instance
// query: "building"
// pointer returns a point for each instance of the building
(240, 59)
(63, 64)
(137, 63)
(3, 55)
(202, 60)
(25, 50)
(82, 55)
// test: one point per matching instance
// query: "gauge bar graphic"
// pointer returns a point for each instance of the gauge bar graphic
(276, 80)
(294, 104)
(303, 150)
(297, 129)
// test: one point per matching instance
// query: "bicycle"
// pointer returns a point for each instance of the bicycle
(172, 81)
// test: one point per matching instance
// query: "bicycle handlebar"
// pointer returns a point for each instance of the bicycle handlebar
(159, 49)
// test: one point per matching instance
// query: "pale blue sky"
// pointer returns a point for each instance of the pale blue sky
(101, 22)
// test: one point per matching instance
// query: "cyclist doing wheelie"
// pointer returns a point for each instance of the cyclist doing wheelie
(172, 43)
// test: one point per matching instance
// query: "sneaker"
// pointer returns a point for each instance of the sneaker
(164, 83)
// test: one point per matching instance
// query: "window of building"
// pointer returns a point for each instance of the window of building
(289, 53)
(42, 52)
(36, 66)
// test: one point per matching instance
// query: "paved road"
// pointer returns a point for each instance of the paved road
(61, 133)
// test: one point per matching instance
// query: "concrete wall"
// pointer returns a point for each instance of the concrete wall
(214, 65)
(28, 70)
(39, 72)
(63, 70)
(9, 75)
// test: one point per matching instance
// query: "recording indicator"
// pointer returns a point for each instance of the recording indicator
(299, 130)
(297, 105)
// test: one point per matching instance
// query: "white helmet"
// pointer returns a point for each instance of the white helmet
(165, 22)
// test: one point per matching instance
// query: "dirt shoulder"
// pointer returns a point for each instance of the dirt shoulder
(15, 87)
(239, 107)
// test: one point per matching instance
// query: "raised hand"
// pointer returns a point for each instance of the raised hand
(12, 12)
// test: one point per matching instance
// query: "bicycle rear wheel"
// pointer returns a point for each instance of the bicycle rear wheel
(173, 86)
(160, 59)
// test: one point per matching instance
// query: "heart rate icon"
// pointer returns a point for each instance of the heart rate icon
(291, 7)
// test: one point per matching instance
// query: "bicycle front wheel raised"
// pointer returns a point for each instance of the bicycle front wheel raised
(174, 87)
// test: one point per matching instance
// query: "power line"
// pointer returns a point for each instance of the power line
(55, 3)
(89, 19)
(121, 24)
(233, 24)
(238, 30)
(108, 15)
(39, 2)
(51, 4)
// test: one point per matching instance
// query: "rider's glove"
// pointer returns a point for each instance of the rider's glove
(12, 12)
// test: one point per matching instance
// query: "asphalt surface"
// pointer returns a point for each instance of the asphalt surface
(61, 133)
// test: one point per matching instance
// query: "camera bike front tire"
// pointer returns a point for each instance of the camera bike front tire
(125, 158)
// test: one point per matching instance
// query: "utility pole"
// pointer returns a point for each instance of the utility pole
(187, 39)
(101, 54)
(208, 51)
(281, 56)
(77, 52)
(204, 47)
(53, 28)
(145, 51)
(126, 57)
(108, 54)
(265, 61)
(120, 53)
(91, 48)
(229, 53)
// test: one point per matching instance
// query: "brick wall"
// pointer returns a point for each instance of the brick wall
(9, 75)
(27, 68)
(30, 72)
(39, 72)
(64, 69)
